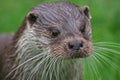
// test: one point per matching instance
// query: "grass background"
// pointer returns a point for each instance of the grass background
(105, 20)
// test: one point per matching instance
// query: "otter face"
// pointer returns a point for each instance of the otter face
(63, 27)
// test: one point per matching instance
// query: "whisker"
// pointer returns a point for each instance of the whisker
(105, 54)
(24, 63)
(46, 71)
(53, 68)
(91, 67)
(38, 66)
(108, 62)
(106, 43)
(111, 44)
(106, 49)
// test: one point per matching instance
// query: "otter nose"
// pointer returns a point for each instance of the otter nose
(75, 45)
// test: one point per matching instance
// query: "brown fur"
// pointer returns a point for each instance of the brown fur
(45, 17)
(5, 41)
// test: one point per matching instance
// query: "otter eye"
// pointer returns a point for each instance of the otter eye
(82, 28)
(55, 33)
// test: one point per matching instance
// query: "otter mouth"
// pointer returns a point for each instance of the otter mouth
(78, 54)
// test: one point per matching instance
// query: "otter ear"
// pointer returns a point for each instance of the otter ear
(85, 10)
(32, 17)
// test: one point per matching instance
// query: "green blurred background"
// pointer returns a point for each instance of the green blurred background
(105, 19)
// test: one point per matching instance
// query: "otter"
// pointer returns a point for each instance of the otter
(49, 44)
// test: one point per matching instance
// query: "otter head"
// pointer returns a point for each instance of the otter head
(62, 27)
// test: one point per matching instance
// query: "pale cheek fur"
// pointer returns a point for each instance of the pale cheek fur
(44, 40)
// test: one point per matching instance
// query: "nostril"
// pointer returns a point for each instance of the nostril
(81, 44)
(70, 46)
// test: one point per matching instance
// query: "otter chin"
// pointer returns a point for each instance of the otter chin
(49, 34)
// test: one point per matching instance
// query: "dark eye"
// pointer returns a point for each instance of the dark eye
(82, 28)
(55, 33)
